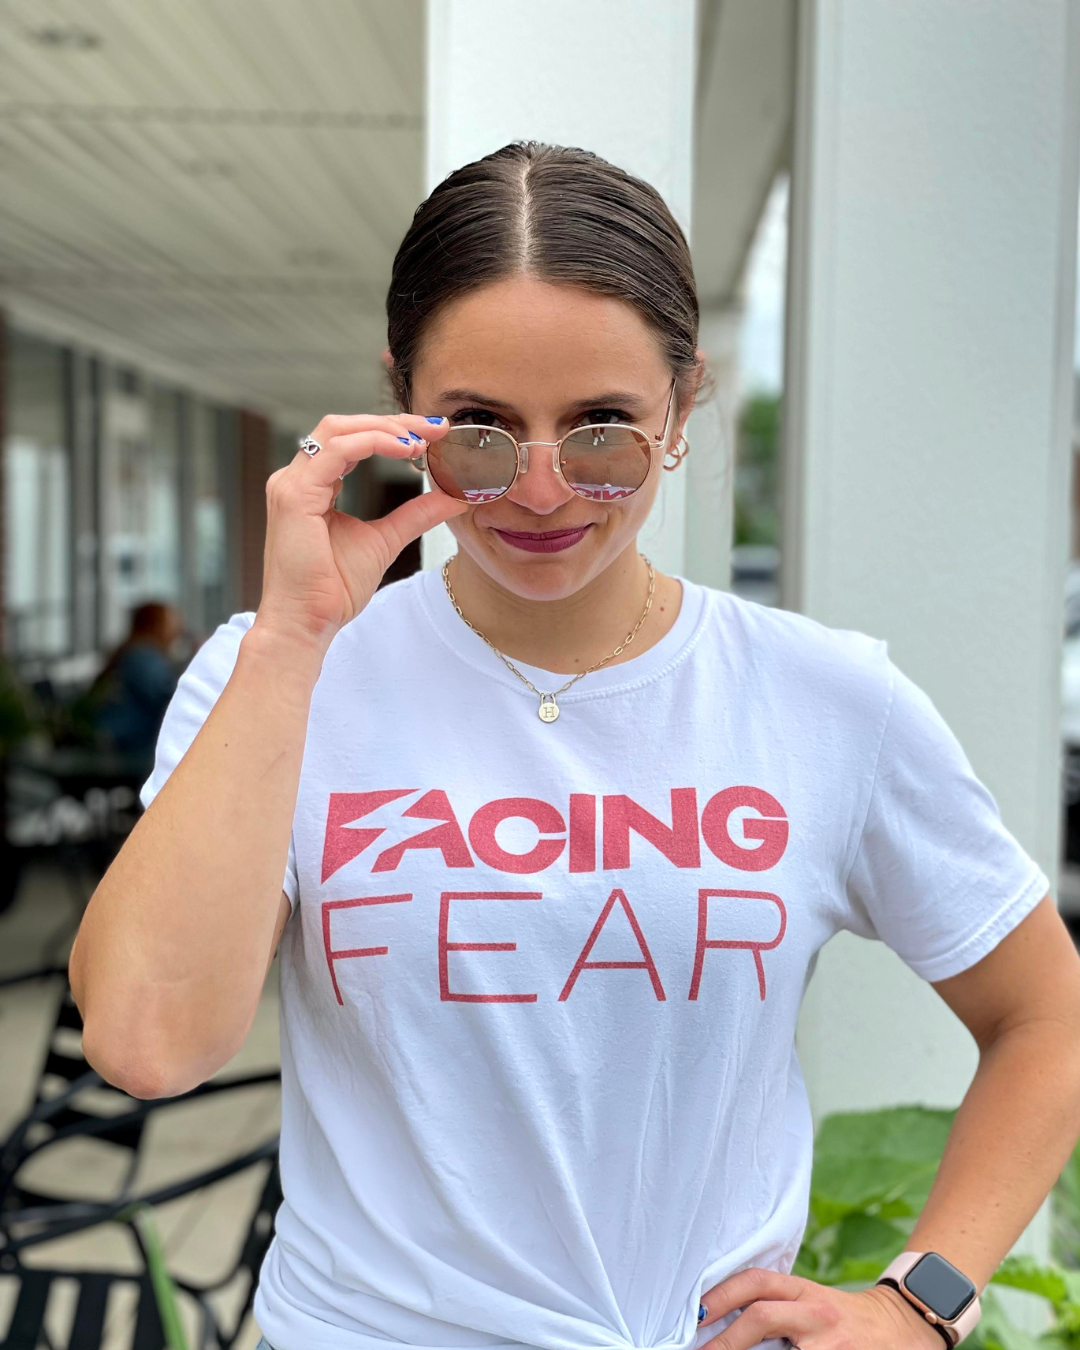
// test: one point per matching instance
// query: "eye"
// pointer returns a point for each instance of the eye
(603, 415)
(480, 417)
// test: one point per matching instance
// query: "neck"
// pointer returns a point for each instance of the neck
(572, 633)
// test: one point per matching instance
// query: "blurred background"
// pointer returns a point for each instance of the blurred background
(199, 206)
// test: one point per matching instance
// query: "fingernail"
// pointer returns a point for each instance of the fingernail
(404, 440)
(415, 437)
(436, 420)
(701, 1311)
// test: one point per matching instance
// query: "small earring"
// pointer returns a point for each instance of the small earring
(679, 450)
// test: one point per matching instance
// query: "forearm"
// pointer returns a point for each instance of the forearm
(172, 952)
(1011, 1137)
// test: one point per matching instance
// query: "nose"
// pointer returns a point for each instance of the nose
(541, 489)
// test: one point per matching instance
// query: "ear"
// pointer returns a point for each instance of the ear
(387, 360)
(701, 376)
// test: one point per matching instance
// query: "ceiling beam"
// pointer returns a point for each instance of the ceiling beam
(744, 111)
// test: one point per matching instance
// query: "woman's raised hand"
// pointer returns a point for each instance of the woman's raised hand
(321, 566)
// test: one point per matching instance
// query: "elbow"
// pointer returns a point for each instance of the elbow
(123, 1067)
(142, 1071)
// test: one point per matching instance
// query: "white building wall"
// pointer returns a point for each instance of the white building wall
(928, 408)
(612, 76)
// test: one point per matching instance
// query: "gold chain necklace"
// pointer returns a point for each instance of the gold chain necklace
(549, 709)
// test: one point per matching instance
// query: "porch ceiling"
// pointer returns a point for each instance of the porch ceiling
(744, 111)
(218, 189)
(221, 186)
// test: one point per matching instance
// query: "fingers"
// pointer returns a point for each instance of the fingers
(409, 520)
(768, 1300)
(431, 428)
(345, 440)
(747, 1285)
(770, 1321)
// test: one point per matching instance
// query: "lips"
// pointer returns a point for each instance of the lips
(542, 541)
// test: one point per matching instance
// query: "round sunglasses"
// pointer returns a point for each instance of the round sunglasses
(602, 461)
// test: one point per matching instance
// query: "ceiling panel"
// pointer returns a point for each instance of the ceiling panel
(221, 184)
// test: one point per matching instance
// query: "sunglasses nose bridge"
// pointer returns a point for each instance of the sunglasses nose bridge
(523, 453)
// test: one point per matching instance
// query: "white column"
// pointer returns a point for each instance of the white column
(710, 465)
(613, 76)
(927, 429)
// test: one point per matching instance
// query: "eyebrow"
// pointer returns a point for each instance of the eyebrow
(610, 399)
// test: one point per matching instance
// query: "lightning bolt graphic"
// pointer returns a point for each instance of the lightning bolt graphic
(345, 836)
(393, 828)
(354, 820)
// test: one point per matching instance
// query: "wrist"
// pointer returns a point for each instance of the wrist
(937, 1290)
(285, 651)
(905, 1311)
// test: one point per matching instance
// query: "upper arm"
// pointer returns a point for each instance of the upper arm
(1032, 974)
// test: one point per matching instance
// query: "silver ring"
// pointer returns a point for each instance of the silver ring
(310, 445)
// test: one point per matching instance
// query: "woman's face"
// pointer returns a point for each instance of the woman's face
(537, 360)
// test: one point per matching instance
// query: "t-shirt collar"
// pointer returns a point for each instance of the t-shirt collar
(654, 662)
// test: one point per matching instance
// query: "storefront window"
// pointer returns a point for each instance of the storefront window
(37, 501)
(163, 570)
(140, 500)
(151, 473)
(211, 463)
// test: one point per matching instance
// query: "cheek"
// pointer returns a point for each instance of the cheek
(640, 504)
(626, 518)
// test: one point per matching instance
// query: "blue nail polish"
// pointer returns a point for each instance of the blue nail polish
(436, 420)
(701, 1311)
(415, 437)
(404, 440)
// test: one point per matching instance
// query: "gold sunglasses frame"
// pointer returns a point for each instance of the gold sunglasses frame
(521, 448)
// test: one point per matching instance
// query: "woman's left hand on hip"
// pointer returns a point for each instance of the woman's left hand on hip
(813, 1316)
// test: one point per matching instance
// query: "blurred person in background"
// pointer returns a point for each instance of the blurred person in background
(584, 1128)
(133, 689)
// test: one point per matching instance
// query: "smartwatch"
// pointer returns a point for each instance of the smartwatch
(944, 1295)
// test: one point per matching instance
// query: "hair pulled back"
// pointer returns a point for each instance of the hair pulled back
(560, 214)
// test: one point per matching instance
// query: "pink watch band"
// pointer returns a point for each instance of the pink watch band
(956, 1330)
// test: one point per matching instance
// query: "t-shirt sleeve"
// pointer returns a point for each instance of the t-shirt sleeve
(196, 693)
(936, 876)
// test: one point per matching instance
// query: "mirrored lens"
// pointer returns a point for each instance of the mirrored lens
(605, 462)
(473, 464)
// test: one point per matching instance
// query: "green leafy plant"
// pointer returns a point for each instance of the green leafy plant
(757, 471)
(141, 1216)
(872, 1174)
(1065, 1215)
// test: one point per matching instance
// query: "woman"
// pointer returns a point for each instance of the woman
(549, 841)
(132, 691)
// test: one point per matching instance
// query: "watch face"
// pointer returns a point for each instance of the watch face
(940, 1286)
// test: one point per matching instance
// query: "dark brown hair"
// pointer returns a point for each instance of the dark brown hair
(560, 214)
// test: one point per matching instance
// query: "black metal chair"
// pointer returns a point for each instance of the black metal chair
(69, 808)
(72, 1101)
(157, 1291)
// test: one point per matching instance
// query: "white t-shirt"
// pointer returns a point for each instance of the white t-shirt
(540, 984)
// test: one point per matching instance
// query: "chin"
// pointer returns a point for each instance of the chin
(543, 577)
